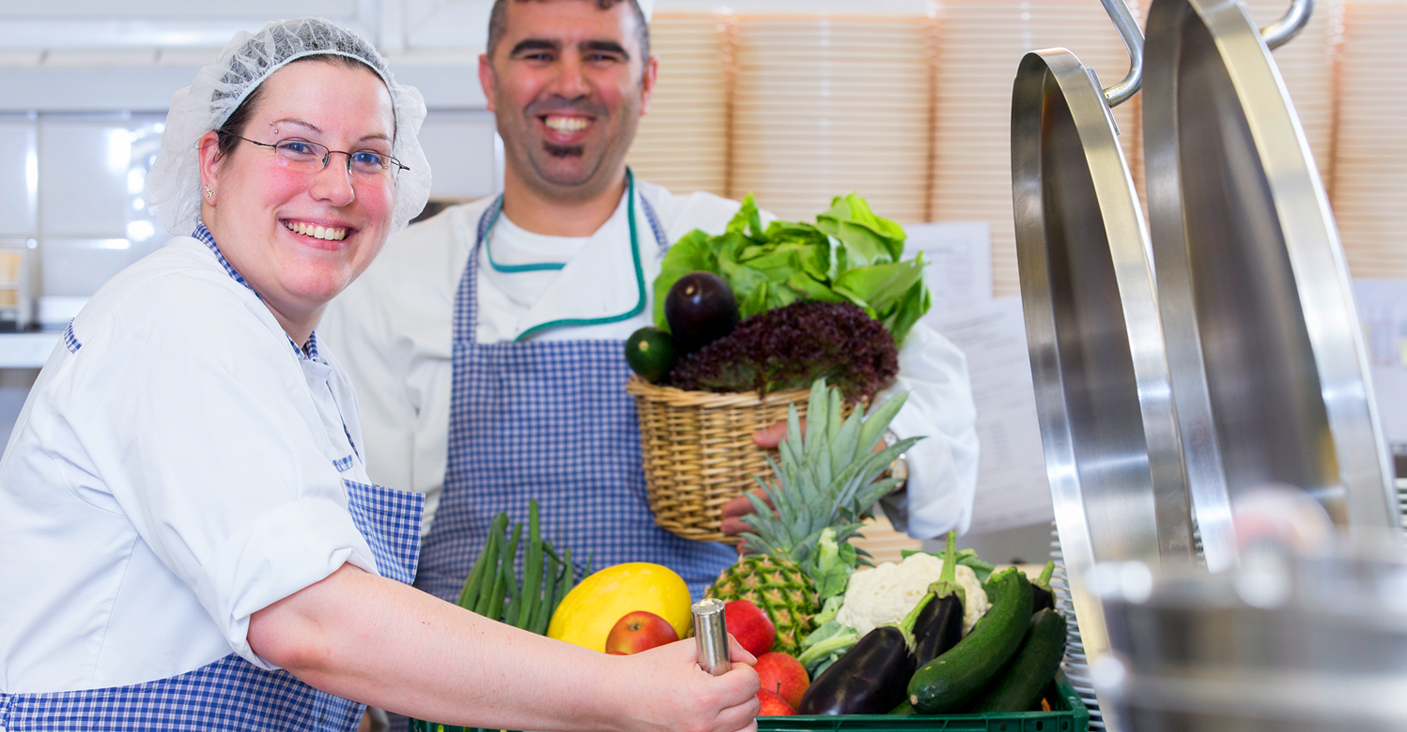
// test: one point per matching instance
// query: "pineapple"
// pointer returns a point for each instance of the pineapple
(823, 489)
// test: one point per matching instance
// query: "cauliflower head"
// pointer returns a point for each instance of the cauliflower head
(888, 592)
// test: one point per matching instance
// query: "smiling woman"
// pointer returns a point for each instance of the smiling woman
(188, 535)
(296, 225)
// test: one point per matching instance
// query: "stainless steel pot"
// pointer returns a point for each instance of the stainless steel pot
(1241, 364)
(1103, 395)
(1263, 344)
(1280, 643)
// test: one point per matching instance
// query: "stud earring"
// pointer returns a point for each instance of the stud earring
(208, 193)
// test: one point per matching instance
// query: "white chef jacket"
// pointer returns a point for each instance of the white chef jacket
(172, 472)
(394, 327)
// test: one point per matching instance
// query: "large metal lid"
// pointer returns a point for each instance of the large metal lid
(1103, 393)
(1263, 344)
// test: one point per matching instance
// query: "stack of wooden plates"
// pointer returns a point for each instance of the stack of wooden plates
(826, 104)
(682, 142)
(980, 44)
(1307, 65)
(1370, 163)
(883, 543)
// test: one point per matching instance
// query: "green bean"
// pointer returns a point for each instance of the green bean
(565, 582)
(491, 603)
(532, 570)
(469, 596)
(492, 547)
(543, 614)
(509, 575)
(486, 576)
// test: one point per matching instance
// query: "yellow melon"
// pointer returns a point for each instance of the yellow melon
(587, 612)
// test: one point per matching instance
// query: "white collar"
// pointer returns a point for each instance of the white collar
(602, 283)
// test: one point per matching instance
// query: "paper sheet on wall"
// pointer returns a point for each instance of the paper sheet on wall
(959, 254)
(1382, 309)
(1012, 489)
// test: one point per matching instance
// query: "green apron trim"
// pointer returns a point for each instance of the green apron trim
(634, 252)
(513, 268)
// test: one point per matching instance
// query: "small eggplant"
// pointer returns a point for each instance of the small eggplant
(939, 626)
(1041, 596)
(872, 677)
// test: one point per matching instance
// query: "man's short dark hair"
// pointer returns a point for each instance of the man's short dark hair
(498, 23)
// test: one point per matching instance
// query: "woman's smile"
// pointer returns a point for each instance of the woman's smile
(299, 232)
(313, 230)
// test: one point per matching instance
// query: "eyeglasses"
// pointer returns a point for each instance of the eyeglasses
(310, 157)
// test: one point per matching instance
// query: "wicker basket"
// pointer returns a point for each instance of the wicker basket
(699, 452)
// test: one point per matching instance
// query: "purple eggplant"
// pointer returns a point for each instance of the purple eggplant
(700, 309)
(872, 677)
(939, 626)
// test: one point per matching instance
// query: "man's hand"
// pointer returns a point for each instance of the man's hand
(768, 438)
(772, 435)
(734, 510)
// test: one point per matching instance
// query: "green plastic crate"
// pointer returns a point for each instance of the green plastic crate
(1068, 715)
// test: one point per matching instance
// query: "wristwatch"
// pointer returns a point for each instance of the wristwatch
(896, 502)
(900, 467)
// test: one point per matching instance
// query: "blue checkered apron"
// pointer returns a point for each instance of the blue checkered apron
(548, 420)
(231, 693)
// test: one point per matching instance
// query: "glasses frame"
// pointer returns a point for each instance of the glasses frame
(327, 157)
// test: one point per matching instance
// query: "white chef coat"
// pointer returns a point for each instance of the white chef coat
(172, 472)
(393, 328)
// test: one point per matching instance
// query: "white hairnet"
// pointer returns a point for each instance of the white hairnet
(173, 189)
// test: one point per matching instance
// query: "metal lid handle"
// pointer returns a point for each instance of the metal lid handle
(1287, 27)
(1133, 40)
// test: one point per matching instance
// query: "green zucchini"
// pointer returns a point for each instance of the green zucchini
(1020, 686)
(954, 679)
(905, 708)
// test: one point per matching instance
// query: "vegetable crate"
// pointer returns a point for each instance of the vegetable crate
(698, 451)
(1068, 714)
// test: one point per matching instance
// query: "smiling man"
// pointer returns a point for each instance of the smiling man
(486, 344)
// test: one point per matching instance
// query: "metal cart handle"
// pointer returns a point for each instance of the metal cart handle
(1133, 40)
(1287, 27)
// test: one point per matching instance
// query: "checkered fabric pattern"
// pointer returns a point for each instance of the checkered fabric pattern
(71, 340)
(231, 693)
(549, 421)
(390, 521)
(204, 236)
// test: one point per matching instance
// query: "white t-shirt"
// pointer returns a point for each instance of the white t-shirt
(172, 473)
(394, 327)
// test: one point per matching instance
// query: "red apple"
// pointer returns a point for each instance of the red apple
(773, 705)
(783, 675)
(639, 631)
(750, 625)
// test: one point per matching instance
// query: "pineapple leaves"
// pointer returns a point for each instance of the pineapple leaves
(825, 486)
(834, 411)
(879, 420)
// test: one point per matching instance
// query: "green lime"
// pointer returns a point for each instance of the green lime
(650, 353)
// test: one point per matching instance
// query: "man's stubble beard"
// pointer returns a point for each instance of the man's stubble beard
(591, 182)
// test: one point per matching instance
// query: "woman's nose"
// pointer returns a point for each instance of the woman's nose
(334, 182)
